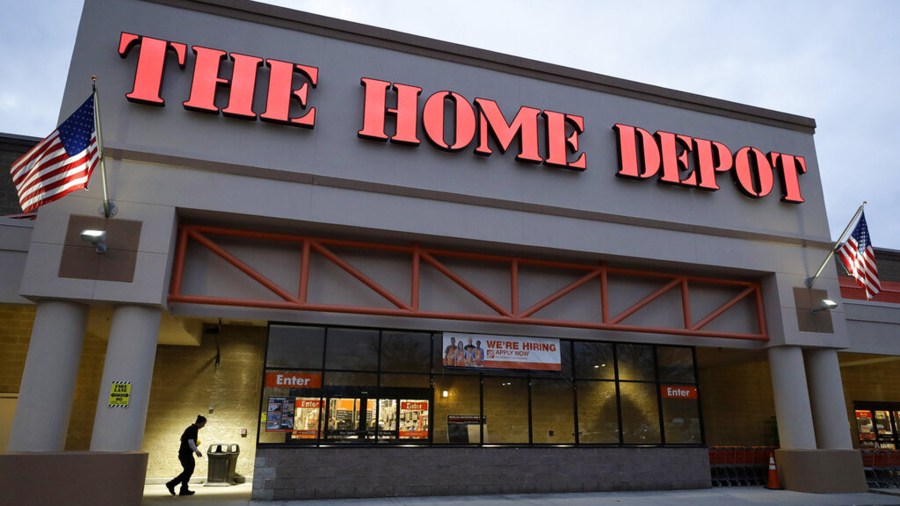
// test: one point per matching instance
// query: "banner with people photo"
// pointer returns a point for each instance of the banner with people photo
(500, 352)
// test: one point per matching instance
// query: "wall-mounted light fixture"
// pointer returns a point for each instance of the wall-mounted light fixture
(445, 394)
(824, 305)
(97, 238)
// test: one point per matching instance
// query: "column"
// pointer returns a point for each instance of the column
(130, 355)
(792, 407)
(49, 379)
(826, 392)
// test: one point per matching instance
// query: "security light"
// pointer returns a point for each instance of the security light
(97, 238)
(824, 305)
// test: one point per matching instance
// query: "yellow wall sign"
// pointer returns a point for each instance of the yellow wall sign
(119, 394)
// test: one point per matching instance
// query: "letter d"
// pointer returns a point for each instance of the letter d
(639, 157)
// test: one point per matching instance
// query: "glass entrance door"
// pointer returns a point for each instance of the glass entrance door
(343, 418)
(383, 416)
(877, 424)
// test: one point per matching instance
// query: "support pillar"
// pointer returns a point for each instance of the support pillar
(48, 381)
(792, 407)
(130, 356)
(802, 466)
(827, 398)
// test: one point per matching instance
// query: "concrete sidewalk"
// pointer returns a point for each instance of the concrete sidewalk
(239, 495)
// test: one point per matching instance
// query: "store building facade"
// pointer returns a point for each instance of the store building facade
(395, 266)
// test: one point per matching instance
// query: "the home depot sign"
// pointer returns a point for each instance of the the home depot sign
(449, 121)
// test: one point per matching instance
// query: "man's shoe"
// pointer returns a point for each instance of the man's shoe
(171, 487)
(185, 491)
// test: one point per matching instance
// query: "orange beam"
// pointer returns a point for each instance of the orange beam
(465, 285)
(178, 268)
(353, 271)
(418, 253)
(246, 269)
(646, 300)
(561, 293)
(721, 309)
(330, 308)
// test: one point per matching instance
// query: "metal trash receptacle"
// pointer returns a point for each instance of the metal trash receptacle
(222, 463)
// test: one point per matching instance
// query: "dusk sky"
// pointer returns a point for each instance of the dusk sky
(837, 62)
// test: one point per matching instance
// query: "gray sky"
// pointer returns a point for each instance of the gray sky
(835, 61)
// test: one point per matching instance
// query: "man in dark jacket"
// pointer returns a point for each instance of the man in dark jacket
(186, 456)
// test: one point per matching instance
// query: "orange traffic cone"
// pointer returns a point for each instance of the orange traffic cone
(774, 482)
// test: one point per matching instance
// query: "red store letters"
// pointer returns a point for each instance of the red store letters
(451, 122)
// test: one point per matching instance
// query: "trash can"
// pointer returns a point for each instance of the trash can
(222, 462)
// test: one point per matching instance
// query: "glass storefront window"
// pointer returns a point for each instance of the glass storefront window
(406, 380)
(406, 352)
(598, 415)
(506, 407)
(640, 413)
(456, 416)
(351, 349)
(552, 412)
(594, 360)
(351, 379)
(675, 364)
(327, 385)
(681, 420)
(295, 347)
(635, 362)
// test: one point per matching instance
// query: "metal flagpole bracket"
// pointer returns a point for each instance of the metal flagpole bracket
(108, 209)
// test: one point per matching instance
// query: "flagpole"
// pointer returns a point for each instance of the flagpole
(108, 209)
(834, 247)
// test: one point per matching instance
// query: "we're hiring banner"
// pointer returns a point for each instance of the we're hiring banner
(500, 352)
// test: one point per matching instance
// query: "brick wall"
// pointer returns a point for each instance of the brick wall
(308, 473)
(737, 404)
(15, 333)
(186, 382)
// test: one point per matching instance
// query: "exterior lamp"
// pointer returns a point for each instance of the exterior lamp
(824, 305)
(445, 394)
(97, 238)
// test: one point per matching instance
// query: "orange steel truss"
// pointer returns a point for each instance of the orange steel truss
(506, 312)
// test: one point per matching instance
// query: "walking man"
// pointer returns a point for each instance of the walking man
(186, 456)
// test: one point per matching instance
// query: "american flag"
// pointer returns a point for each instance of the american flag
(858, 257)
(59, 164)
